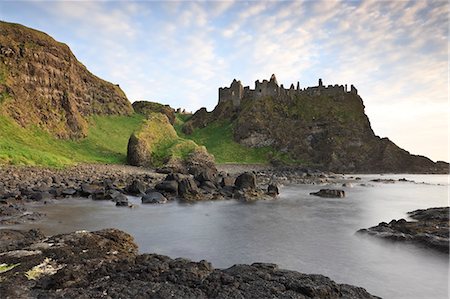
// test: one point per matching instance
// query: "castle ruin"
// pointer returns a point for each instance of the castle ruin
(236, 92)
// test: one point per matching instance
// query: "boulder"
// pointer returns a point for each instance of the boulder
(227, 181)
(122, 202)
(69, 191)
(187, 187)
(136, 188)
(272, 189)
(154, 197)
(89, 189)
(201, 165)
(208, 186)
(206, 174)
(187, 128)
(100, 195)
(38, 196)
(168, 186)
(137, 151)
(247, 180)
(119, 197)
(329, 193)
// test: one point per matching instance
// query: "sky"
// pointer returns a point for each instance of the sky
(180, 53)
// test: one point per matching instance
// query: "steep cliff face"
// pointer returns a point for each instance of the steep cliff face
(323, 126)
(43, 84)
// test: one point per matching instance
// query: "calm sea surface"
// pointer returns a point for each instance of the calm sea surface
(297, 231)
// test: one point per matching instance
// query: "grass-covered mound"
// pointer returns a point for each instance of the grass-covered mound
(106, 142)
(217, 137)
(146, 108)
(156, 142)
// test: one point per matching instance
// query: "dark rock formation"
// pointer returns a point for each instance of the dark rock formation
(431, 229)
(322, 125)
(272, 189)
(43, 84)
(247, 180)
(187, 188)
(170, 186)
(136, 188)
(153, 197)
(106, 264)
(329, 193)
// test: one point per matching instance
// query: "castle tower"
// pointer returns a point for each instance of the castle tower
(273, 79)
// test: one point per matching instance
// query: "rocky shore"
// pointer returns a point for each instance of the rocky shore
(430, 229)
(106, 264)
(23, 185)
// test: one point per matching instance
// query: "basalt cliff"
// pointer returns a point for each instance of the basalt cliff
(324, 126)
(43, 84)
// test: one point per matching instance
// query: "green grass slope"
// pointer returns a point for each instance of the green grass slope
(218, 140)
(106, 143)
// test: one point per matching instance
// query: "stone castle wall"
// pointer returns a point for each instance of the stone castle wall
(236, 92)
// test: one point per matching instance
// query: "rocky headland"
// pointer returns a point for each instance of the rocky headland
(430, 228)
(106, 264)
(321, 125)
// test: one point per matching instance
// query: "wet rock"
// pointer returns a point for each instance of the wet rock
(39, 196)
(122, 201)
(430, 230)
(100, 195)
(119, 197)
(136, 188)
(168, 186)
(208, 186)
(247, 180)
(187, 187)
(89, 189)
(272, 189)
(106, 263)
(11, 239)
(154, 198)
(385, 181)
(332, 193)
(207, 174)
(69, 192)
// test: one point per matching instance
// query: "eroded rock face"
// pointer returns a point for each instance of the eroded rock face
(106, 264)
(42, 83)
(430, 230)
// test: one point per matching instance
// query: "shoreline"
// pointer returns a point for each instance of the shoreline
(124, 176)
(23, 184)
(106, 263)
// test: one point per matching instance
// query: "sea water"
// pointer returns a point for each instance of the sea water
(297, 231)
